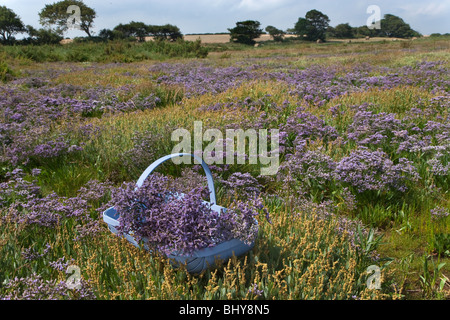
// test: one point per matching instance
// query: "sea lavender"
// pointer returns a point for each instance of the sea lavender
(242, 184)
(439, 213)
(373, 170)
(170, 223)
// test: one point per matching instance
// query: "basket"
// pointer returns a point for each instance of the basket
(199, 260)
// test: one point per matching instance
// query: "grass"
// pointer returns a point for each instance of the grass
(106, 52)
(297, 256)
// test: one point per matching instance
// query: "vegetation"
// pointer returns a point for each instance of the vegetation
(140, 31)
(42, 36)
(113, 51)
(275, 33)
(10, 24)
(363, 182)
(82, 129)
(391, 26)
(55, 15)
(246, 32)
(341, 31)
(312, 27)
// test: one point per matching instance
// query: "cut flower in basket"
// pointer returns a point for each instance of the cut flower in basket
(171, 222)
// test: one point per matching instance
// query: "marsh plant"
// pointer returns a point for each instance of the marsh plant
(170, 223)
(363, 155)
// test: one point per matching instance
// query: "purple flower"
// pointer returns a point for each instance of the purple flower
(439, 213)
(373, 170)
(172, 222)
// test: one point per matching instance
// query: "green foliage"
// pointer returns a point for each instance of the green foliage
(393, 26)
(6, 73)
(132, 29)
(165, 32)
(275, 33)
(140, 30)
(57, 15)
(317, 25)
(42, 36)
(301, 27)
(441, 244)
(10, 24)
(343, 30)
(113, 51)
(313, 27)
(246, 32)
(429, 279)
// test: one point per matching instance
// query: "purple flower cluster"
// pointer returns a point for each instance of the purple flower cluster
(439, 213)
(30, 117)
(409, 134)
(27, 205)
(170, 222)
(199, 79)
(34, 287)
(255, 291)
(315, 84)
(304, 125)
(308, 164)
(370, 128)
(31, 253)
(242, 184)
(373, 170)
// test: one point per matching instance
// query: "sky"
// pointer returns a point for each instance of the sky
(215, 16)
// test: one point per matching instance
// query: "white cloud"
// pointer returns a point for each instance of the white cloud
(255, 5)
(196, 16)
(428, 9)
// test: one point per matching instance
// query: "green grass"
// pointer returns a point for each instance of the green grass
(106, 52)
(294, 256)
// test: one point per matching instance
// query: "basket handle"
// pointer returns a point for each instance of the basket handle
(209, 177)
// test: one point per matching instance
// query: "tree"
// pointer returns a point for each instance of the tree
(165, 32)
(364, 31)
(137, 30)
(275, 33)
(107, 34)
(246, 32)
(331, 32)
(43, 36)
(10, 24)
(56, 15)
(343, 30)
(313, 26)
(123, 31)
(393, 26)
(317, 24)
(301, 28)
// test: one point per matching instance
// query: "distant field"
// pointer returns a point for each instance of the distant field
(222, 38)
(225, 38)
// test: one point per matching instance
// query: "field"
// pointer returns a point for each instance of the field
(363, 181)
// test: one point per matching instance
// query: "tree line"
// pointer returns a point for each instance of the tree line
(54, 20)
(313, 27)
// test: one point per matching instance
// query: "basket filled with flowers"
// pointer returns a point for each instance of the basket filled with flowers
(182, 226)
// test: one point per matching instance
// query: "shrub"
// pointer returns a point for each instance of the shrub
(246, 32)
(6, 73)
